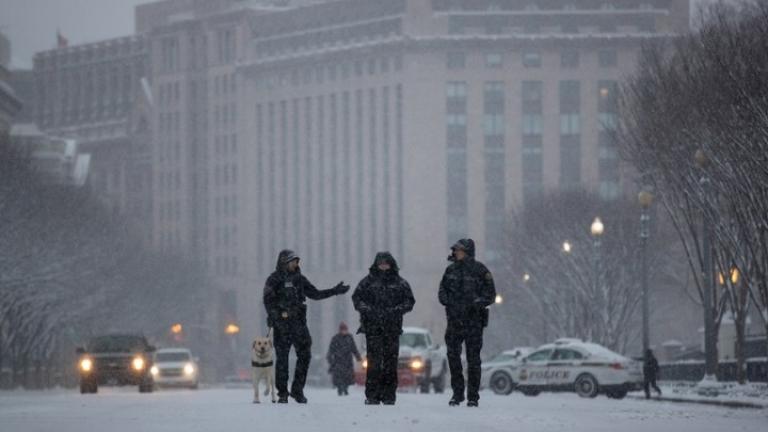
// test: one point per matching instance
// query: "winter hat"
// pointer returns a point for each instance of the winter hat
(343, 326)
(467, 245)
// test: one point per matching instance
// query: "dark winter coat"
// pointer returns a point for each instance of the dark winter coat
(467, 289)
(382, 298)
(340, 354)
(650, 367)
(285, 294)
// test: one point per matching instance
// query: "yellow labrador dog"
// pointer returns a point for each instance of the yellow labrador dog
(262, 365)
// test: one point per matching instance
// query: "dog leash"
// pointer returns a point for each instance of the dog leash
(257, 364)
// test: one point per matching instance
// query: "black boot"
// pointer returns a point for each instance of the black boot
(472, 403)
(372, 401)
(299, 397)
(282, 399)
(456, 400)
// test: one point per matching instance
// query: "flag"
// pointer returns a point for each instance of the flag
(61, 41)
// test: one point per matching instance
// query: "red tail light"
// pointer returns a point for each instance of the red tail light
(617, 366)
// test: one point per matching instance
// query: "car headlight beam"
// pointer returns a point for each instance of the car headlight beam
(138, 363)
(154, 370)
(417, 364)
(189, 369)
(86, 365)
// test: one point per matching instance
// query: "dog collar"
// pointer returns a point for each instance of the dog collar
(257, 364)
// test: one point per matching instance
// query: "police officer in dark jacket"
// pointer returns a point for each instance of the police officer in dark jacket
(650, 374)
(382, 298)
(466, 291)
(285, 293)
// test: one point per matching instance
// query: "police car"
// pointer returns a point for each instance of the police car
(572, 365)
(498, 372)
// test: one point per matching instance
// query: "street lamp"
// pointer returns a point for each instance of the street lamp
(596, 229)
(645, 199)
(710, 343)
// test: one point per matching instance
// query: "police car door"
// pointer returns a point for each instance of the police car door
(533, 371)
(563, 367)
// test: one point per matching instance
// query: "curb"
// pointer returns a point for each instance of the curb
(723, 403)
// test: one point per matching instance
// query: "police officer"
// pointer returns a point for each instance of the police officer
(285, 293)
(466, 291)
(382, 298)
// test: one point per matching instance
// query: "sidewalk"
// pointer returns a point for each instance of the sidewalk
(731, 395)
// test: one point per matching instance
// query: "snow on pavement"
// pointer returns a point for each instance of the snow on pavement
(218, 409)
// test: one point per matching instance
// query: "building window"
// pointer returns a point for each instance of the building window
(532, 124)
(607, 58)
(456, 60)
(532, 59)
(494, 60)
(570, 124)
(569, 59)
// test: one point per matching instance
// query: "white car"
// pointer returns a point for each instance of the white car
(426, 361)
(498, 372)
(175, 367)
(572, 365)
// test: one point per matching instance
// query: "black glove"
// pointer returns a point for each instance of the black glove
(340, 288)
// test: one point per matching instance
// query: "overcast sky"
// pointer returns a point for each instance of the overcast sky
(31, 24)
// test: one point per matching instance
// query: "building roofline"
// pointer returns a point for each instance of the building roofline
(455, 42)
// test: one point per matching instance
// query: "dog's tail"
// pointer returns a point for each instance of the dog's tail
(266, 391)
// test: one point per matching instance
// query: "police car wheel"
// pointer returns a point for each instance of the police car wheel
(586, 386)
(501, 383)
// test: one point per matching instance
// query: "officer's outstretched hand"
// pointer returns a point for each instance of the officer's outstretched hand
(340, 288)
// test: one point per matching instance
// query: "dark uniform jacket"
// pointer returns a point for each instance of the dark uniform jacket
(285, 294)
(467, 289)
(650, 367)
(382, 298)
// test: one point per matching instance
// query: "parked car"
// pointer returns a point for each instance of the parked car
(175, 367)
(120, 359)
(498, 372)
(587, 368)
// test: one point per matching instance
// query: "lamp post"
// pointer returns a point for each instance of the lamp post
(710, 343)
(596, 230)
(645, 199)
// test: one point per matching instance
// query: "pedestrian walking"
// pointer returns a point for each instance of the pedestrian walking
(650, 374)
(341, 355)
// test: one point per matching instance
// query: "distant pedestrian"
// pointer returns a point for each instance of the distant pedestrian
(650, 374)
(285, 294)
(382, 298)
(340, 357)
(466, 291)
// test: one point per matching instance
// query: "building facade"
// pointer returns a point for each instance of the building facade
(10, 105)
(407, 124)
(90, 93)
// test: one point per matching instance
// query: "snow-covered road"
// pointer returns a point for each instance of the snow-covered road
(118, 410)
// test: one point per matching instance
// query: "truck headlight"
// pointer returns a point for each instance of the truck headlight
(138, 363)
(86, 365)
(154, 370)
(189, 369)
(365, 363)
(417, 364)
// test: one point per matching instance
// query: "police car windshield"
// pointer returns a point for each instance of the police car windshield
(413, 340)
(172, 356)
(116, 344)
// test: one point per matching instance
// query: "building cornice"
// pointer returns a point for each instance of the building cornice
(518, 41)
